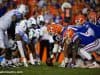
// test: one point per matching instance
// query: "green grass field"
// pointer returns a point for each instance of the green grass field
(45, 70)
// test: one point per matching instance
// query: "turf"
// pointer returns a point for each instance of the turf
(45, 70)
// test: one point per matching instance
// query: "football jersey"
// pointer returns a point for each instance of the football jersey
(84, 40)
(89, 35)
(21, 27)
(85, 32)
(6, 20)
(96, 29)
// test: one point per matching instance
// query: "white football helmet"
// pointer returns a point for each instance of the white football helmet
(31, 21)
(23, 9)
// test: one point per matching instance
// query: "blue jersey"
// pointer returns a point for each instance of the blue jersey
(96, 29)
(76, 29)
(85, 40)
(86, 33)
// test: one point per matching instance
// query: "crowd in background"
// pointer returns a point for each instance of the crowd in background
(52, 7)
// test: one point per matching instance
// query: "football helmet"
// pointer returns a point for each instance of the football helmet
(68, 33)
(54, 28)
(23, 9)
(79, 19)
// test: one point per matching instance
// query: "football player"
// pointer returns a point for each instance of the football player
(13, 15)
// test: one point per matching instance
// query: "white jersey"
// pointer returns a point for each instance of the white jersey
(43, 31)
(45, 34)
(21, 27)
(34, 33)
(20, 30)
(5, 21)
(37, 33)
